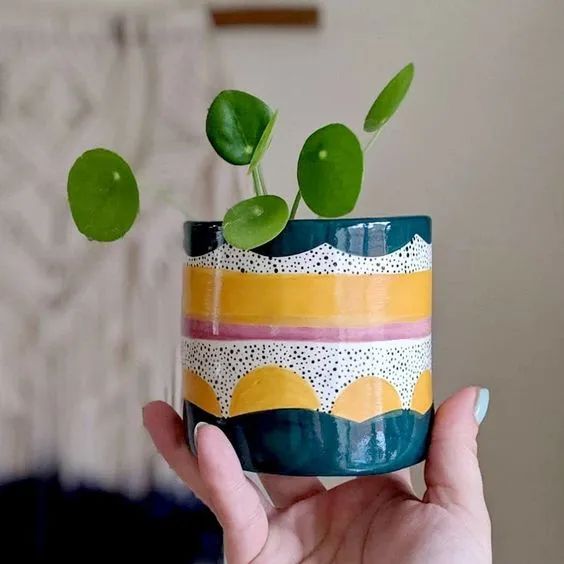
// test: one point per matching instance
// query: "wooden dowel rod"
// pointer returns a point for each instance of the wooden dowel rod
(270, 17)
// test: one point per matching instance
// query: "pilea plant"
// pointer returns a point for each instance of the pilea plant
(104, 197)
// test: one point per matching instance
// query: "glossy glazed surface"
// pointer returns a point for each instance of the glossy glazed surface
(301, 442)
(323, 335)
(370, 237)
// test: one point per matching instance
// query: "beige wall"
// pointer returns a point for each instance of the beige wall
(479, 145)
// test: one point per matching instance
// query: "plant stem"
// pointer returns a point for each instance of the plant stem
(371, 141)
(256, 183)
(296, 205)
(261, 177)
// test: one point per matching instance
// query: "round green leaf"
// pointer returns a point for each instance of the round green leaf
(103, 195)
(330, 170)
(264, 142)
(235, 124)
(389, 99)
(255, 221)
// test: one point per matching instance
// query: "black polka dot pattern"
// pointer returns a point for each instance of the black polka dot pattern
(416, 256)
(328, 367)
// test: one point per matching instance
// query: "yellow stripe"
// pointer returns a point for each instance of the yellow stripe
(200, 393)
(309, 300)
(272, 387)
(422, 398)
(365, 398)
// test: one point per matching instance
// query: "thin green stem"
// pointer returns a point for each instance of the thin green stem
(371, 141)
(296, 205)
(257, 183)
(261, 176)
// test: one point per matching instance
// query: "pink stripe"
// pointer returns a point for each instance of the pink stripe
(207, 330)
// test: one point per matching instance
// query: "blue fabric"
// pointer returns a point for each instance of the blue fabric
(41, 522)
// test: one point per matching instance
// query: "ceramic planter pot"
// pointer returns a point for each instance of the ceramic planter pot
(313, 352)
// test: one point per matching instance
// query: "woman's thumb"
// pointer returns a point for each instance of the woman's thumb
(452, 473)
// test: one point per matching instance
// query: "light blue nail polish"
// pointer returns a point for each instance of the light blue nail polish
(482, 404)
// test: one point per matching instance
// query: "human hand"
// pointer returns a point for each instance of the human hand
(369, 519)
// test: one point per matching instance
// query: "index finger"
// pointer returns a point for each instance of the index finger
(167, 432)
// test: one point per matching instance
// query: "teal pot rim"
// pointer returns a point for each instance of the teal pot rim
(364, 236)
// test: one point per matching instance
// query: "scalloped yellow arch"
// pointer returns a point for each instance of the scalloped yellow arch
(200, 393)
(365, 398)
(272, 387)
(422, 398)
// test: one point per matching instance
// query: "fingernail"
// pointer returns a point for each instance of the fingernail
(481, 405)
(143, 414)
(196, 430)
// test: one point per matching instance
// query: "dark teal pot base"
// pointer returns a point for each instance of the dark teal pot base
(301, 442)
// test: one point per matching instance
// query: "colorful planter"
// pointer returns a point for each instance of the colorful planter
(313, 352)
